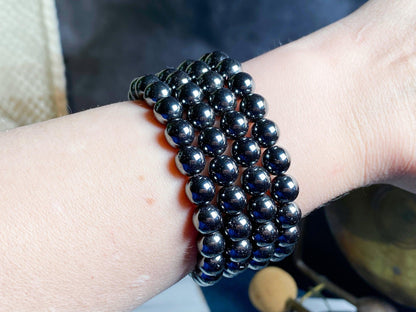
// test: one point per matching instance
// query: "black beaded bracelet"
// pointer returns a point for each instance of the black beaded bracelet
(240, 227)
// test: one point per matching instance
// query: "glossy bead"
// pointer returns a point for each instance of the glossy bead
(179, 132)
(239, 251)
(284, 188)
(265, 132)
(231, 199)
(196, 69)
(205, 280)
(142, 83)
(228, 67)
(246, 151)
(164, 73)
(222, 100)
(257, 265)
(167, 109)
(214, 58)
(234, 124)
(276, 160)
(131, 97)
(212, 141)
(263, 253)
(262, 208)
(241, 84)
(265, 233)
(156, 91)
(207, 219)
(189, 94)
(132, 89)
(190, 160)
(237, 227)
(210, 81)
(211, 266)
(233, 268)
(288, 215)
(182, 66)
(223, 170)
(254, 106)
(201, 115)
(177, 79)
(283, 251)
(200, 189)
(255, 180)
(204, 57)
(211, 245)
(288, 236)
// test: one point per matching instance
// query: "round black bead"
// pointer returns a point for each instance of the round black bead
(132, 89)
(276, 160)
(182, 66)
(241, 84)
(190, 160)
(255, 180)
(177, 79)
(223, 170)
(239, 250)
(211, 245)
(214, 58)
(257, 265)
(207, 219)
(222, 100)
(211, 266)
(237, 227)
(231, 199)
(212, 141)
(167, 109)
(179, 132)
(210, 81)
(228, 67)
(288, 215)
(233, 268)
(205, 280)
(189, 94)
(263, 253)
(196, 69)
(265, 233)
(262, 208)
(164, 73)
(204, 57)
(288, 236)
(254, 106)
(284, 188)
(283, 251)
(156, 91)
(200, 189)
(141, 84)
(201, 115)
(265, 132)
(234, 124)
(246, 151)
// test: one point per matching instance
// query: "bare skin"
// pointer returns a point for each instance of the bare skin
(93, 214)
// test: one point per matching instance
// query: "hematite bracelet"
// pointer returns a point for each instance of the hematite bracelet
(206, 105)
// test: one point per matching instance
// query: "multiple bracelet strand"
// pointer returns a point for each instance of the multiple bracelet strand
(243, 225)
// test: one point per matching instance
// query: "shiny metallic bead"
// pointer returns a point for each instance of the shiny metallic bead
(228, 67)
(231, 199)
(204, 57)
(210, 81)
(179, 132)
(200, 189)
(223, 170)
(265, 233)
(255, 180)
(201, 115)
(283, 251)
(265, 132)
(263, 253)
(132, 89)
(288, 215)
(239, 250)
(164, 73)
(156, 91)
(234, 124)
(262, 208)
(276, 160)
(246, 151)
(141, 84)
(190, 160)
(254, 106)
(284, 188)
(212, 141)
(205, 280)
(257, 265)
(222, 100)
(214, 58)
(237, 227)
(241, 84)
(233, 268)
(207, 219)
(211, 245)
(177, 79)
(182, 66)
(211, 266)
(288, 236)
(196, 69)
(167, 109)
(189, 94)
